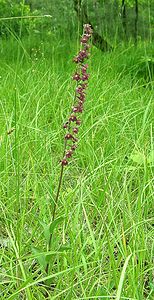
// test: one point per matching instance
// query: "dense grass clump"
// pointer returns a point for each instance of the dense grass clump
(103, 248)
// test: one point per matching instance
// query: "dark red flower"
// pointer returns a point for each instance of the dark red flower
(69, 153)
(88, 29)
(84, 85)
(78, 122)
(81, 97)
(68, 136)
(80, 109)
(85, 77)
(75, 130)
(76, 77)
(72, 118)
(80, 103)
(85, 38)
(84, 68)
(65, 125)
(79, 90)
(64, 162)
(81, 77)
(75, 109)
(74, 147)
(83, 54)
(75, 59)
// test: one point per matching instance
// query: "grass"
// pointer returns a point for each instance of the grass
(103, 249)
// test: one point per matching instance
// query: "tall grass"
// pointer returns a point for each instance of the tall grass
(104, 247)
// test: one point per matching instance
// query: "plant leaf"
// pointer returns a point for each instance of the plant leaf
(49, 228)
(55, 223)
(41, 257)
(46, 231)
(122, 277)
(64, 248)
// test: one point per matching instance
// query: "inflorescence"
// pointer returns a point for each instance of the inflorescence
(81, 77)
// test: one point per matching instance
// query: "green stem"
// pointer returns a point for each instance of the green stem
(55, 206)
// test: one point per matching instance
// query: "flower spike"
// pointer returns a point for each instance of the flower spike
(81, 77)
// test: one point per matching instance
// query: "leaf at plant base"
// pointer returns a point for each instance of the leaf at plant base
(151, 157)
(46, 230)
(49, 228)
(48, 257)
(138, 157)
(41, 257)
(55, 223)
(64, 248)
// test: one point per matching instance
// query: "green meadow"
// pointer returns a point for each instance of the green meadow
(102, 248)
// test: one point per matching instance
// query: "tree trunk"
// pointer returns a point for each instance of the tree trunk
(136, 22)
(124, 18)
(97, 40)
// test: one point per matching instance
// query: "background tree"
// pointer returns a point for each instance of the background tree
(82, 14)
(136, 21)
(124, 18)
(112, 20)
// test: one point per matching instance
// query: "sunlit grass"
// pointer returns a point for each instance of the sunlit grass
(107, 193)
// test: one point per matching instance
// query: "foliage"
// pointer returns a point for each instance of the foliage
(103, 235)
(21, 19)
(107, 18)
(13, 9)
(104, 15)
(106, 203)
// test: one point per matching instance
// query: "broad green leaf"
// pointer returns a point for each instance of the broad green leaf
(41, 257)
(64, 248)
(46, 230)
(48, 257)
(49, 228)
(55, 223)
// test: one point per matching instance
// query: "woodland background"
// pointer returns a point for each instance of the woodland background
(114, 20)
